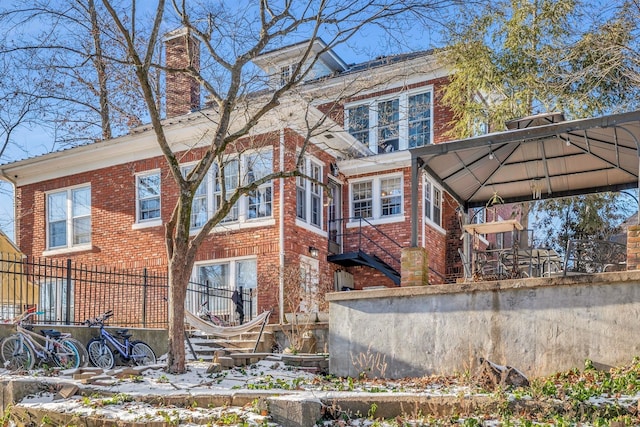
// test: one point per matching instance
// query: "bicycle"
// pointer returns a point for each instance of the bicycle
(209, 316)
(102, 349)
(22, 349)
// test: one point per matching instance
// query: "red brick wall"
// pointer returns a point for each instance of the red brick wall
(116, 244)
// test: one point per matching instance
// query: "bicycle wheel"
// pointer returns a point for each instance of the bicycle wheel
(100, 354)
(16, 354)
(82, 351)
(66, 355)
(142, 354)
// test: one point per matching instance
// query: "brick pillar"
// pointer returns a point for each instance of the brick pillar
(183, 91)
(633, 247)
(414, 267)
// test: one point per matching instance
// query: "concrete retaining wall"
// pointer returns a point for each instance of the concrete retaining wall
(539, 326)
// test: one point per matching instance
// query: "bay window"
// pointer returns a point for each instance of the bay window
(245, 170)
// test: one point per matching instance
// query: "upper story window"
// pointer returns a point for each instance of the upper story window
(214, 189)
(432, 203)
(392, 123)
(377, 198)
(148, 196)
(309, 193)
(285, 74)
(69, 218)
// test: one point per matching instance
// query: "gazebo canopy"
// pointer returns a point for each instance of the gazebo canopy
(539, 157)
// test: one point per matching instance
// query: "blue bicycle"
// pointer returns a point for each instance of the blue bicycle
(102, 349)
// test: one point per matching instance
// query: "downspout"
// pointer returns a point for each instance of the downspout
(281, 235)
(15, 205)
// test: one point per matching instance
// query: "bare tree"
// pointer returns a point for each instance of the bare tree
(103, 58)
(231, 39)
(67, 60)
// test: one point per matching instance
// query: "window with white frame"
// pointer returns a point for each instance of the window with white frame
(215, 282)
(432, 203)
(69, 218)
(225, 184)
(376, 198)
(391, 123)
(200, 206)
(309, 193)
(285, 74)
(257, 204)
(259, 201)
(362, 199)
(148, 196)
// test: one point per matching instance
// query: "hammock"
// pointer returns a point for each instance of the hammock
(226, 331)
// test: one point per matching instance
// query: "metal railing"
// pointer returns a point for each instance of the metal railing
(345, 236)
(365, 237)
(70, 292)
(594, 256)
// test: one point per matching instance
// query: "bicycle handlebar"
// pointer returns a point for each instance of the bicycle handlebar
(99, 320)
(26, 315)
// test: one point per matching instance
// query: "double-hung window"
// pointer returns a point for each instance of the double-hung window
(259, 201)
(309, 193)
(225, 185)
(393, 122)
(377, 198)
(69, 218)
(389, 126)
(432, 203)
(148, 197)
(200, 206)
(362, 196)
(391, 196)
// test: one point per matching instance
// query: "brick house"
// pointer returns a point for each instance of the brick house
(106, 203)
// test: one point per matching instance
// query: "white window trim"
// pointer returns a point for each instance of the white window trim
(403, 122)
(376, 206)
(306, 223)
(145, 223)
(426, 220)
(69, 247)
(232, 267)
(243, 222)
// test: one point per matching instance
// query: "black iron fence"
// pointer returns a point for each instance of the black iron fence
(68, 293)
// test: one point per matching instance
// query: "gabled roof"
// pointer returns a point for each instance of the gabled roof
(550, 160)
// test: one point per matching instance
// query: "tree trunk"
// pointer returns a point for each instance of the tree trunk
(179, 275)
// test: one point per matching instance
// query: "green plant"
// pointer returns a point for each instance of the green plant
(162, 379)
(117, 399)
(372, 410)
(169, 418)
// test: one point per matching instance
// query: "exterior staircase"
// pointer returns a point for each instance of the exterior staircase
(350, 259)
(364, 245)
(200, 346)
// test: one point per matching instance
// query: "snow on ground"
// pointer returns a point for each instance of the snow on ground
(116, 398)
(270, 375)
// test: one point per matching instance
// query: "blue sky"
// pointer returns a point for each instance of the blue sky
(32, 140)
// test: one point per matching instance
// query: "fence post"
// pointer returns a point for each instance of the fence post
(240, 304)
(144, 297)
(68, 311)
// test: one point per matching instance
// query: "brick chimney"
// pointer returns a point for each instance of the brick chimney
(183, 92)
